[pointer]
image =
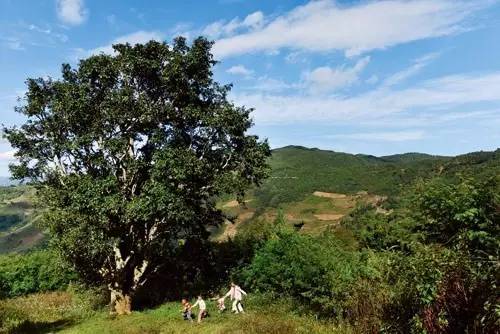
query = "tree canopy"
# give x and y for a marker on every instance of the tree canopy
(129, 152)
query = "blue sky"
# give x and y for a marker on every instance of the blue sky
(375, 77)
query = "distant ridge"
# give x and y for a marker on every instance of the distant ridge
(6, 181)
(471, 157)
(413, 156)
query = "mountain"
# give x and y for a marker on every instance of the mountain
(17, 215)
(412, 156)
(6, 181)
(297, 171)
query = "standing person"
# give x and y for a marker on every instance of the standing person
(236, 294)
(186, 310)
(203, 308)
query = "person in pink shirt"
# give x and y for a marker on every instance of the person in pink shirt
(236, 295)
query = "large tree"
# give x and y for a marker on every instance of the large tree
(129, 153)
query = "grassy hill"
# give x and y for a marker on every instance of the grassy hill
(314, 190)
(17, 232)
(298, 172)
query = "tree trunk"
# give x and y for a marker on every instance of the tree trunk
(121, 303)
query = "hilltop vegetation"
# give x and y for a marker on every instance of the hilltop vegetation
(298, 171)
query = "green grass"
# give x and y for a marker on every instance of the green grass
(65, 313)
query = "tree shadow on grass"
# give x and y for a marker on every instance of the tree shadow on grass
(29, 327)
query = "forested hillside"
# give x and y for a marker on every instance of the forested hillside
(298, 171)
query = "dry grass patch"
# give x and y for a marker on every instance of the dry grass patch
(328, 216)
(329, 195)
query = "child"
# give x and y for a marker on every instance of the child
(186, 310)
(203, 308)
(220, 303)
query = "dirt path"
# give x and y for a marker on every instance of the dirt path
(234, 203)
(230, 229)
(329, 195)
(328, 216)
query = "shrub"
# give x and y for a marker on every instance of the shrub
(36, 271)
(463, 215)
(437, 290)
(379, 231)
(316, 271)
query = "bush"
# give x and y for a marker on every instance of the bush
(316, 271)
(380, 231)
(437, 290)
(464, 218)
(36, 271)
(463, 215)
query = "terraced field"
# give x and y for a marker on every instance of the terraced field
(315, 213)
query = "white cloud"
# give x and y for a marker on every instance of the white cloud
(391, 136)
(436, 95)
(48, 31)
(182, 29)
(441, 118)
(240, 70)
(138, 37)
(14, 44)
(254, 20)
(296, 57)
(267, 84)
(417, 65)
(72, 11)
(39, 29)
(325, 26)
(324, 79)
(223, 29)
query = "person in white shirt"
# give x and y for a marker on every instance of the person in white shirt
(236, 294)
(203, 308)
